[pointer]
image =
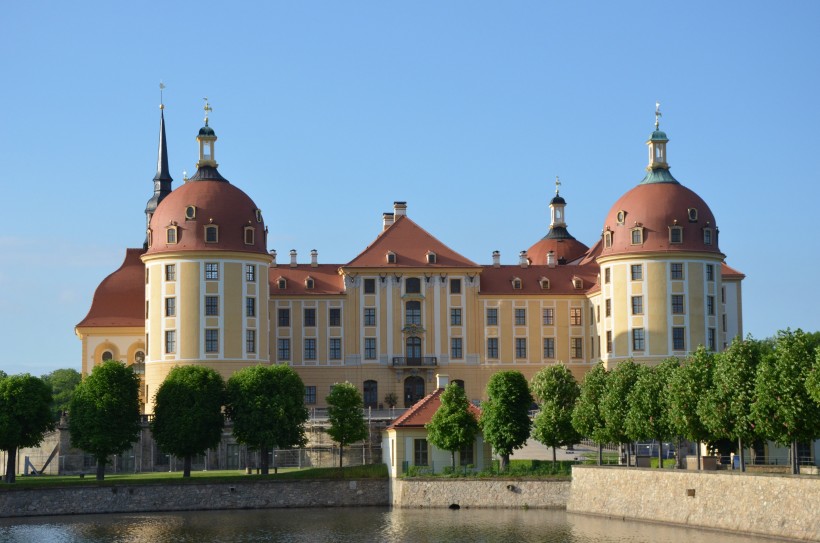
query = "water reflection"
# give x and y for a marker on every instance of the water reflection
(350, 526)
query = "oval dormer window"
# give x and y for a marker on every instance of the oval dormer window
(693, 214)
(190, 213)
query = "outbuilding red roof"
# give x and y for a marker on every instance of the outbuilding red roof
(423, 410)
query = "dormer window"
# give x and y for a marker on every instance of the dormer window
(516, 283)
(637, 236)
(621, 216)
(211, 233)
(190, 213)
(249, 235)
(171, 235)
(431, 257)
(692, 214)
(577, 283)
(309, 283)
(149, 235)
(608, 239)
(281, 283)
(545, 283)
(707, 236)
(391, 257)
(258, 215)
(675, 234)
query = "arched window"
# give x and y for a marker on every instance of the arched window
(412, 285)
(371, 394)
(107, 355)
(413, 390)
(412, 312)
(459, 383)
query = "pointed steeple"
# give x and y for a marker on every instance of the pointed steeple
(658, 168)
(162, 180)
(558, 223)
(206, 166)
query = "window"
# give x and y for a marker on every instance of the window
(710, 305)
(609, 341)
(608, 239)
(391, 257)
(334, 316)
(521, 347)
(637, 236)
(548, 316)
(723, 295)
(171, 234)
(250, 273)
(677, 304)
(370, 394)
(516, 284)
(284, 317)
(456, 348)
(250, 307)
(310, 283)
(190, 213)
(520, 316)
(431, 257)
(170, 341)
(707, 236)
(466, 454)
(419, 452)
(170, 307)
(106, 356)
(310, 316)
(412, 285)
(637, 272)
(211, 271)
(335, 348)
(621, 216)
(637, 305)
(455, 316)
(492, 347)
(283, 349)
(576, 347)
(575, 316)
(597, 313)
(249, 235)
(678, 339)
(369, 286)
(675, 234)
(150, 236)
(211, 306)
(412, 313)
(608, 308)
(258, 215)
(549, 347)
(545, 283)
(637, 339)
(710, 272)
(607, 275)
(455, 286)
(370, 348)
(693, 214)
(676, 270)
(170, 272)
(281, 283)
(710, 339)
(310, 348)
(211, 234)
(310, 395)
(370, 316)
(722, 318)
(250, 341)
(211, 340)
(492, 316)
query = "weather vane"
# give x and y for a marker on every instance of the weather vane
(161, 102)
(557, 185)
(657, 114)
(208, 109)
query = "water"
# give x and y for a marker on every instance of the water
(360, 525)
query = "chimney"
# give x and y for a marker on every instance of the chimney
(387, 221)
(551, 259)
(314, 258)
(496, 259)
(442, 380)
(522, 259)
(273, 255)
(293, 258)
(399, 209)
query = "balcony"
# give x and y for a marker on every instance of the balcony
(419, 361)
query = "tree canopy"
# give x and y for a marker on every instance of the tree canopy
(556, 391)
(104, 414)
(453, 426)
(188, 417)
(62, 383)
(344, 411)
(267, 407)
(614, 406)
(586, 416)
(648, 415)
(25, 416)
(505, 417)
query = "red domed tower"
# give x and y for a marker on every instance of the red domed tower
(558, 246)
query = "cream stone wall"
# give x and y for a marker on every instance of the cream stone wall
(479, 493)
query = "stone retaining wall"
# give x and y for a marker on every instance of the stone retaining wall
(478, 493)
(784, 506)
(77, 500)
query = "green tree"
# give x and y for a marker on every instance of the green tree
(188, 417)
(648, 415)
(586, 416)
(104, 414)
(62, 383)
(783, 410)
(344, 411)
(267, 407)
(614, 406)
(556, 391)
(25, 416)
(505, 416)
(453, 426)
(813, 380)
(688, 385)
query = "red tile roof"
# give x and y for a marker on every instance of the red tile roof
(499, 280)
(326, 280)
(730, 273)
(120, 298)
(423, 410)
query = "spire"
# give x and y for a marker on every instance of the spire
(658, 168)
(558, 224)
(162, 180)
(206, 166)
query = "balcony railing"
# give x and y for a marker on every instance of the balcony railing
(415, 361)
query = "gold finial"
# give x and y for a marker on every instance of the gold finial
(208, 109)
(557, 185)
(657, 114)
(161, 87)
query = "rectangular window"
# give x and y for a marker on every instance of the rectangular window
(637, 272)
(521, 347)
(370, 316)
(211, 271)
(335, 348)
(420, 452)
(250, 307)
(250, 341)
(609, 341)
(723, 295)
(675, 235)
(607, 275)
(170, 341)
(549, 347)
(592, 347)
(211, 306)
(310, 348)
(310, 395)
(676, 270)
(710, 305)
(707, 236)
(412, 312)
(492, 316)
(370, 348)
(576, 347)
(520, 317)
(548, 316)
(492, 347)
(211, 340)
(466, 454)
(678, 338)
(170, 307)
(170, 272)
(710, 339)
(677, 304)
(310, 316)
(250, 273)
(455, 286)
(637, 236)
(722, 318)
(710, 272)
(575, 316)
(637, 339)
(608, 308)
(455, 316)
(456, 348)
(283, 349)
(284, 317)
(637, 305)
(597, 313)
(334, 316)
(369, 286)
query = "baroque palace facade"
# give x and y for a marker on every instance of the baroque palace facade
(205, 289)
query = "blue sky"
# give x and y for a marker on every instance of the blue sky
(327, 112)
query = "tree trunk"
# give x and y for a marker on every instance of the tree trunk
(340, 455)
(600, 454)
(628, 449)
(453, 453)
(660, 454)
(795, 459)
(186, 465)
(740, 452)
(504, 462)
(553, 456)
(678, 459)
(101, 469)
(700, 456)
(264, 467)
(11, 465)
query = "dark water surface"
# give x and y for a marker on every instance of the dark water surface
(351, 526)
